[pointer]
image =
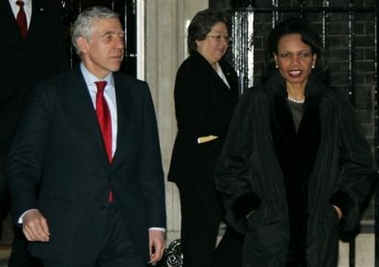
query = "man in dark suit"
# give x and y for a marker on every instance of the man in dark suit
(101, 197)
(24, 61)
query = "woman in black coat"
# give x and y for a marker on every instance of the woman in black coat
(206, 92)
(295, 168)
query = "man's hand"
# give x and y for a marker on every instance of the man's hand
(35, 227)
(156, 245)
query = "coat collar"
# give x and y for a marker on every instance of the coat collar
(37, 19)
(277, 86)
(225, 67)
(82, 104)
(124, 102)
(281, 115)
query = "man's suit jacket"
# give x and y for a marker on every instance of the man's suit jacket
(25, 63)
(59, 142)
(204, 105)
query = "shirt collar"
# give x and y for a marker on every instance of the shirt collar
(90, 79)
(28, 3)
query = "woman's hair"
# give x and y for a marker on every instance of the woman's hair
(202, 24)
(308, 36)
(83, 25)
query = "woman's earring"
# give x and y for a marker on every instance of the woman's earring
(313, 66)
(276, 66)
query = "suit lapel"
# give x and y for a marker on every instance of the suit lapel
(36, 19)
(124, 104)
(218, 79)
(83, 107)
(36, 31)
(8, 23)
(37, 26)
(201, 61)
(230, 77)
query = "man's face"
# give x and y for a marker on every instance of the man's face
(104, 52)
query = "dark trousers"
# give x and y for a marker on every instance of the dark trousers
(201, 217)
(20, 256)
(5, 205)
(5, 198)
(117, 249)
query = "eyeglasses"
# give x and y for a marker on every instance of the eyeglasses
(220, 37)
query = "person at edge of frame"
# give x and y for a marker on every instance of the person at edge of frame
(29, 55)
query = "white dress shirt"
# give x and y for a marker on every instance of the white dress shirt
(27, 8)
(221, 74)
(109, 95)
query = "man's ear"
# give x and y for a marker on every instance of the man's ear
(82, 44)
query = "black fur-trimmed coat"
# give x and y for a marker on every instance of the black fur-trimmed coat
(279, 186)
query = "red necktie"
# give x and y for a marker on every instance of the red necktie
(104, 118)
(21, 19)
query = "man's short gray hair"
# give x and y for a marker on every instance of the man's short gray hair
(83, 25)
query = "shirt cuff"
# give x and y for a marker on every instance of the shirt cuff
(158, 229)
(21, 218)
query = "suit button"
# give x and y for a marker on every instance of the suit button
(104, 207)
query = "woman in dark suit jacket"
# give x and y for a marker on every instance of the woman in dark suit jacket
(206, 92)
